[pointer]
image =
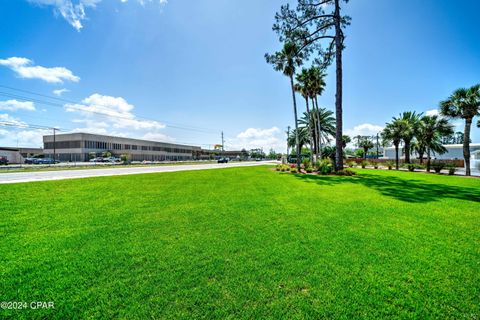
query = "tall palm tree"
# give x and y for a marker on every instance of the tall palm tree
(286, 61)
(430, 133)
(394, 132)
(304, 88)
(412, 119)
(346, 140)
(464, 104)
(316, 83)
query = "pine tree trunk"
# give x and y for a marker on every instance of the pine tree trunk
(466, 146)
(319, 123)
(396, 157)
(297, 141)
(309, 131)
(338, 95)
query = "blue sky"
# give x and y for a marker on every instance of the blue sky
(184, 71)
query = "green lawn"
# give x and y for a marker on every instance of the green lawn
(243, 243)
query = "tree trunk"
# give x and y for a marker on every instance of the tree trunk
(297, 141)
(365, 151)
(338, 95)
(420, 154)
(319, 129)
(428, 159)
(466, 146)
(407, 151)
(396, 156)
(309, 130)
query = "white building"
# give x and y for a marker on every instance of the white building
(454, 152)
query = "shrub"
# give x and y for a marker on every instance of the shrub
(389, 165)
(325, 166)
(309, 169)
(411, 167)
(282, 169)
(438, 166)
(278, 167)
(345, 172)
(375, 165)
(293, 170)
(364, 164)
(451, 169)
(287, 168)
(306, 163)
(124, 158)
(351, 164)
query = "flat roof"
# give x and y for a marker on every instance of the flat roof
(117, 137)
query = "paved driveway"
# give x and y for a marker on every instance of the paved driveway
(15, 177)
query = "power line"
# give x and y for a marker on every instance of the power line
(74, 105)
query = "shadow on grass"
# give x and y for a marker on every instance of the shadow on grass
(407, 190)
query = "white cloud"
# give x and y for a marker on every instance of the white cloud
(433, 112)
(253, 138)
(114, 116)
(14, 105)
(74, 11)
(364, 129)
(24, 68)
(6, 118)
(18, 133)
(59, 92)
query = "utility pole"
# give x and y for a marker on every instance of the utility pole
(54, 145)
(223, 143)
(288, 135)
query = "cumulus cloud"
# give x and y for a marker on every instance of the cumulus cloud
(24, 68)
(364, 129)
(59, 92)
(74, 11)
(253, 138)
(433, 112)
(14, 105)
(6, 119)
(114, 116)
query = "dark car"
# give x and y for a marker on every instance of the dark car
(29, 160)
(45, 161)
(223, 160)
(3, 161)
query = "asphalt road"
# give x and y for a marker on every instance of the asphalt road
(16, 177)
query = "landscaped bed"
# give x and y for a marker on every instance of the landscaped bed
(243, 243)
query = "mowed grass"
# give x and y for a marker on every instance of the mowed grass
(243, 243)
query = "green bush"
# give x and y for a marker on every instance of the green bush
(389, 164)
(438, 166)
(306, 163)
(365, 163)
(325, 166)
(351, 164)
(278, 167)
(293, 170)
(411, 167)
(345, 172)
(451, 169)
(309, 169)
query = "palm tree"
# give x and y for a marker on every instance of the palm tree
(346, 140)
(303, 138)
(412, 119)
(465, 104)
(394, 132)
(286, 61)
(327, 125)
(316, 84)
(365, 143)
(303, 87)
(430, 133)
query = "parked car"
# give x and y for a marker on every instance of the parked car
(111, 159)
(45, 161)
(29, 160)
(3, 161)
(223, 160)
(97, 159)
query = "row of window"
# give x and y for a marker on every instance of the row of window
(110, 146)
